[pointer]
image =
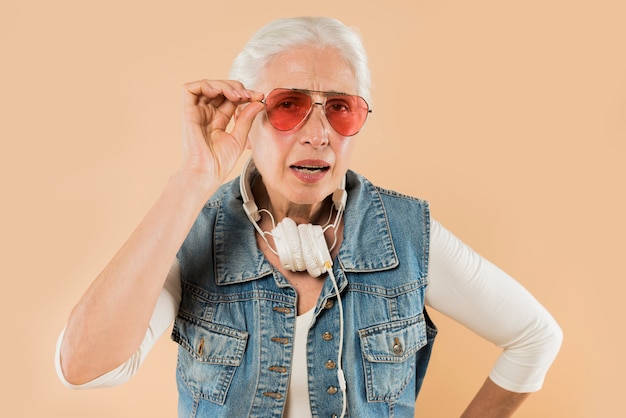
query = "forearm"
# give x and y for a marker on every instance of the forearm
(109, 322)
(492, 401)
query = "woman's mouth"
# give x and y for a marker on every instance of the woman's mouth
(310, 171)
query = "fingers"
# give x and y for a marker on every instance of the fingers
(208, 107)
(216, 92)
(244, 120)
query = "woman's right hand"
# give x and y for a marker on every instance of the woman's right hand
(208, 107)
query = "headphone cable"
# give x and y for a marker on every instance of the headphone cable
(340, 374)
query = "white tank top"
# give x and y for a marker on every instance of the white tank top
(297, 404)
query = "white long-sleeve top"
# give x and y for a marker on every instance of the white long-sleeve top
(461, 284)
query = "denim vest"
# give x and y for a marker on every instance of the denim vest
(237, 316)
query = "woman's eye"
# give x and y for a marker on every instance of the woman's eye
(337, 106)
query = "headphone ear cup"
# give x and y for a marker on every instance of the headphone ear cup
(314, 248)
(288, 247)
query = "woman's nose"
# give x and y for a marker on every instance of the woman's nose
(316, 128)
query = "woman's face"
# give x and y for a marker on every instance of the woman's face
(301, 167)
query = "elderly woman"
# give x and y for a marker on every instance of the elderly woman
(299, 289)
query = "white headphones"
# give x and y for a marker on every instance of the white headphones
(299, 247)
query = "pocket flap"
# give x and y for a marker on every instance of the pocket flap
(211, 343)
(393, 342)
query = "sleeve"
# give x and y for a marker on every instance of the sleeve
(477, 294)
(162, 317)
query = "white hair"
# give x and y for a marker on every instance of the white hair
(283, 35)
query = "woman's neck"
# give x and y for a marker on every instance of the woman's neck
(317, 213)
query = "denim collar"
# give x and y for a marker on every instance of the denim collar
(367, 244)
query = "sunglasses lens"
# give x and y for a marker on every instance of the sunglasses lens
(346, 114)
(287, 108)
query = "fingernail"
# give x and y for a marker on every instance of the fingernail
(257, 95)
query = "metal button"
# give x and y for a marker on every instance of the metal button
(397, 347)
(329, 304)
(331, 390)
(274, 395)
(327, 336)
(278, 369)
(280, 340)
(281, 309)
(330, 365)
(201, 347)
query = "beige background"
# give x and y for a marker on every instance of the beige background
(510, 117)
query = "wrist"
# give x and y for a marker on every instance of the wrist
(194, 183)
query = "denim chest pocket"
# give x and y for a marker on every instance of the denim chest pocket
(389, 356)
(208, 357)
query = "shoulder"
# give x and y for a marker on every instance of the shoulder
(365, 190)
(226, 192)
(226, 199)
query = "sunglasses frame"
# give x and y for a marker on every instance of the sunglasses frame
(310, 93)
